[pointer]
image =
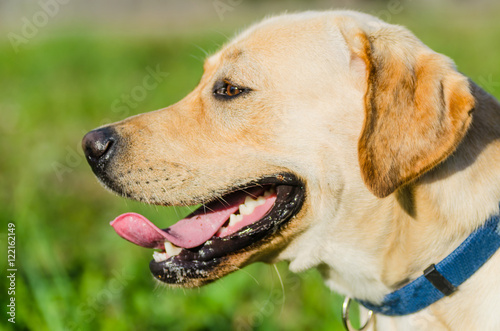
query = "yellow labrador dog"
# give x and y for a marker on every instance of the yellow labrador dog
(335, 141)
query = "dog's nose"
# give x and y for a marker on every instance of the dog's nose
(98, 146)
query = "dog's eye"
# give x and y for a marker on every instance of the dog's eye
(232, 90)
(228, 89)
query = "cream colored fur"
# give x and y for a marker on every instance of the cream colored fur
(306, 114)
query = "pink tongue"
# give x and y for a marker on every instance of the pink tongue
(187, 233)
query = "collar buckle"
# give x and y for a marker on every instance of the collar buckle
(345, 317)
(439, 281)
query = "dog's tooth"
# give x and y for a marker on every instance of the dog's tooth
(171, 249)
(261, 200)
(248, 199)
(249, 206)
(245, 209)
(221, 231)
(234, 219)
(159, 257)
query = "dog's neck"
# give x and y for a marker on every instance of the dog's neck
(418, 225)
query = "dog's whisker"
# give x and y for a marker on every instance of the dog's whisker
(176, 211)
(200, 59)
(282, 288)
(250, 194)
(191, 208)
(205, 207)
(205, 52)
(223, 201)
(221, 33)
(247, 273)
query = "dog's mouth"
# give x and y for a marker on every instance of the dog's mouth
(241, 219)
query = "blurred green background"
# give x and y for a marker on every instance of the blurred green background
(62, 79)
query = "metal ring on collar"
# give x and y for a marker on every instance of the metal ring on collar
(345, 317)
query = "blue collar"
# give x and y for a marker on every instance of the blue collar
(445, 277)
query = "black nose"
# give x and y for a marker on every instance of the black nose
(99, 146)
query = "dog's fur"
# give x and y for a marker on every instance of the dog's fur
(399, 153)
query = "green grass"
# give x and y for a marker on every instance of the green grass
(74, 272)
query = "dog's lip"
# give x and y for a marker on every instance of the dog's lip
(199, 261)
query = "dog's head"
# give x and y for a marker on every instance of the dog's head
(296, 124)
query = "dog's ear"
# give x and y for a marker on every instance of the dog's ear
(417, 106)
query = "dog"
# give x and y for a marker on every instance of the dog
(332, 140)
